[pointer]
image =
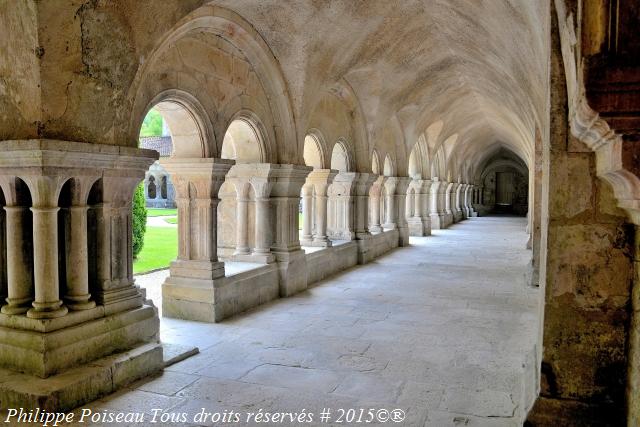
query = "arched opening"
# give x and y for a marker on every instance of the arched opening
(243, 143)
(375, 163)
(313, 157)
(504, 185)
(152, 192)
(340, 158)
(388, 169)
(313, 152)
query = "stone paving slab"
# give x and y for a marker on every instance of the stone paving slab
(440, 329)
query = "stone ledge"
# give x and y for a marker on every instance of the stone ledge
(78, 386)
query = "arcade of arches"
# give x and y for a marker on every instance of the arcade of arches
(315, 137)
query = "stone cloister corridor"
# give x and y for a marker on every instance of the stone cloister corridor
(426, 205)
(444, 329)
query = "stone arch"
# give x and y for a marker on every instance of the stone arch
(389, 168)
(189, 124)
(230, 27)
(340, 158)
(313, 152)
(376, 168)
(244, 142)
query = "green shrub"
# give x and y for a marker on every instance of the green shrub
(139, 220)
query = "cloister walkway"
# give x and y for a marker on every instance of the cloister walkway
(443, 329)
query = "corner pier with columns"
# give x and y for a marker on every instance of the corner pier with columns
(73, 326)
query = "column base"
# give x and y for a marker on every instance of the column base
(426, 221)
(375, 229)
(267, 258)
(47, 310)
(16, 306)
(80, 302)
(317, 243)
(448, 219)
(403, 236)
(457, 216)
(77, 386)
(47, 347)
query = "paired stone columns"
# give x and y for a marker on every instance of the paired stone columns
(419, 223)
(255, 177)
(456, 205)
(188, 291)
(401, 217)
(315, 201)
(390, 203)
(448, 212)
(375, 200)
(436, 207)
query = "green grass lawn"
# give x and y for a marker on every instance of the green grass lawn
(172, 220)
(160, 248)
(161, 212)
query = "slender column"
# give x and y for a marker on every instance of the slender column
(400, 216)
(19, 278)
(321, 199)
(47, 303)
(417, 203)
(363, 183)
(263, 245)
(435, 209)
(242, 244)
(78, 297)
(307, 211)
(390, 197)
(375, 193)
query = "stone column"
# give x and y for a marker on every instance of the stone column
(374, 201)
(321, 179)
(390, 199)
(77, 296)
(341, 218)
(47, 303)
(401, 217)
(19, 277)
(455, 202)
(262, 249)
(417, 226)
(425, 196)
(242, 219)
(307, 215)
(362, 187)
(285, 196)
(448, 213)
(436, 211)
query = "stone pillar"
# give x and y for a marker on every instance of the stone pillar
(401, 217)
(417, 224)
(341, 206)
(320, 181)
(436, 208)
(448, 212)
(469, 201)
(19, 276)
(374, 203)
(362, 189)
(285, 197)
(189, 291)
(455, 201)
(95, 350)
(262, 248)
(390, 202)
(307, 215)
(425, 193)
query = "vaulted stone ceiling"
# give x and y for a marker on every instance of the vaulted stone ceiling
(479, 66)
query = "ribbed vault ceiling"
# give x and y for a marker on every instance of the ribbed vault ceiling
(480, 66)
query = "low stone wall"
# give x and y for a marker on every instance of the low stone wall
(327, 262)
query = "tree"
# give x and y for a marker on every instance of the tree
(139, 220)
(152, 124)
